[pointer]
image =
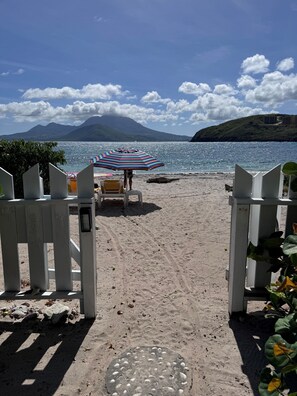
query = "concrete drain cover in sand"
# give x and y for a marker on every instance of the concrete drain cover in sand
(148, 371)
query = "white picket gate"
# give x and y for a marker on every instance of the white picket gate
(256, 202)
(39, 219)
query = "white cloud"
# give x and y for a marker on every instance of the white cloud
(244, 82)
(16, 72)
(19, 71)
(231, 112)
(224, 89)
(222, 102)
(275, 88)
(153, 97)
(79, 111)
(89, 91)
(178, 107)
(255, 64)
(213, 101)
(285, 64)
(194, 89)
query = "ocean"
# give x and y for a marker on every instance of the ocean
(186, 157)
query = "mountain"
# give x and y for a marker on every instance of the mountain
(258, 128)
(101, 129)
(51, 131)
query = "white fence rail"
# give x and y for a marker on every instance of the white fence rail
(40, 219)
(256, 202)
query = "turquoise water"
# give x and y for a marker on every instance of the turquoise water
(185, 157)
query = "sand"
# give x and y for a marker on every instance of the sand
(161, 282)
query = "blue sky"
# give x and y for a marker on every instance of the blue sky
(173, 65)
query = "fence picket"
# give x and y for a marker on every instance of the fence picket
(61, 240)
(37, 249)
(9, 244)
(6, 182)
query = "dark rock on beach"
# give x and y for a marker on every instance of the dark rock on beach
(161, 179)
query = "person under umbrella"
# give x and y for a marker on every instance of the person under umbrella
(128, 176)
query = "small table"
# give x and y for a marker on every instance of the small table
(134, 192)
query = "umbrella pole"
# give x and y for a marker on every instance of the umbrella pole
(125, 179)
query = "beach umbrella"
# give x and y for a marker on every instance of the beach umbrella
(126, 159)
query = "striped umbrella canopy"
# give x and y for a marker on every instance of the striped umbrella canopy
(124, 159)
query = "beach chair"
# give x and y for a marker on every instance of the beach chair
(112, 188)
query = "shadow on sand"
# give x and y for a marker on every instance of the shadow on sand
(251, 331)
(115, 208)
(36, 355)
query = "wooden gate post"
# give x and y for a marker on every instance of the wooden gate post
(263, 222)
(87, 236)
(242, 188)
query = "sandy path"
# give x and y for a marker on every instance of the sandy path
(161, 281)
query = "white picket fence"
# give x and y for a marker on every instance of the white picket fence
(40, 219)
(256, 202)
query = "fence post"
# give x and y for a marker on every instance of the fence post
(254, 227)
(87, 231)
(242, 188)
(267, 222)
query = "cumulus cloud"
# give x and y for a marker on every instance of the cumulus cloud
(275, 88)
(89, 91)
(285, 64)
(255, 64)
(194, 89)
(153, 97)
(224, 89)
(79, 111)
(245, 82)
(178, 107)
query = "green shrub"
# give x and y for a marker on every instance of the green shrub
(280, 348)
(17, 156)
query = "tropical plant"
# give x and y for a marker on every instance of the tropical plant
(280, 348)
(289, 169)
(281, 353)
(17, 156)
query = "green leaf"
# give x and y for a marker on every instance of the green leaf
(289, 368)
(293, 184)
(270, 383)
(290, 245)
(272, 242)
(286, 324)
(290, 168)
(255, 252)
(278, 351)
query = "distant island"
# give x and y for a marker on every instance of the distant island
(258, 128)
(107, 128)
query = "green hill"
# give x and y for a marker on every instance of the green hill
(258, 128)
